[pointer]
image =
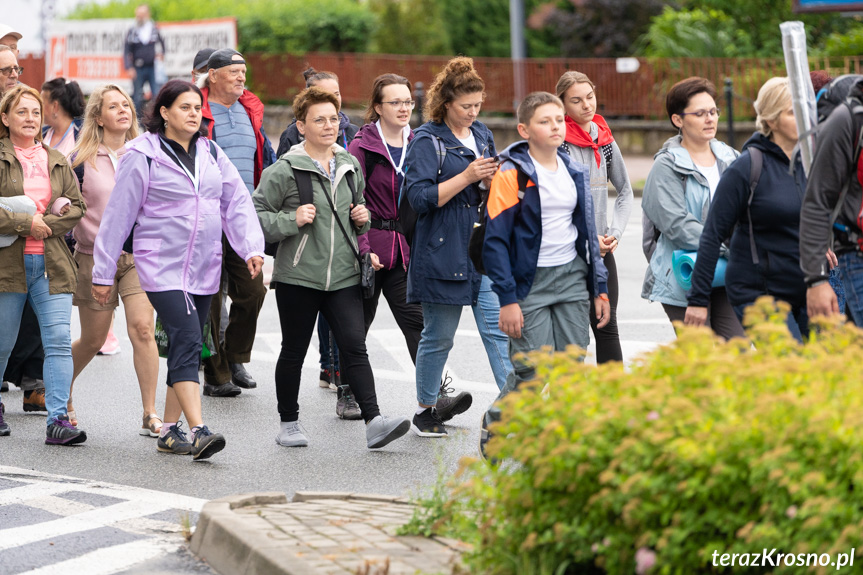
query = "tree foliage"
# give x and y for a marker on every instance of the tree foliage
(694, 34)
(263, 26)
(601, 28)
(410, 27)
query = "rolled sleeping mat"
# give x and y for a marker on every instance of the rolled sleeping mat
(16, 205)
(683, 263)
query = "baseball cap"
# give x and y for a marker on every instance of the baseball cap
(201, 58)
(222, 58)
(7, 30)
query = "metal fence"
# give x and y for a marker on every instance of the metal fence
(277, 78)
(636, 95)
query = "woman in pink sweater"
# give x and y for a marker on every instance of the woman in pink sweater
(109, 122)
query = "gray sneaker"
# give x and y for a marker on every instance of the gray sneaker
(290, 435)
(382, 430)
(346, 406)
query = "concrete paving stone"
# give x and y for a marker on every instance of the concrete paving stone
(310, 496)
(321, 543)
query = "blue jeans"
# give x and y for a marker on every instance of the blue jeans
(797, 320)
(440, 322)
(851, 272)
(54, 313)
(144, 74)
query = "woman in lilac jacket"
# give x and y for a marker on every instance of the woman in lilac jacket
(380, 148)
(180, 192)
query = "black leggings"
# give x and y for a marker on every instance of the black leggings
(343, 310)
(183, 320)
(720, 315)
(608, 338)
(409, 316)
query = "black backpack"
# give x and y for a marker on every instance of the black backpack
(477, 234)
(303, 178)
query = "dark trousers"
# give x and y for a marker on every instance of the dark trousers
(28, 355)
(608, 338)
(720, 315)
(183, 320)
(343, 310)
(247, 296)
(409, 316)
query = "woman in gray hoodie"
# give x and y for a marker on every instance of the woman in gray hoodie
(677, 197)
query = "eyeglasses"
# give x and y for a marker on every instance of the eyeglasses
(7, 71)
(701, 113)
(399, 104)
(321, 122)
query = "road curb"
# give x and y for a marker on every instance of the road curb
(237, 535)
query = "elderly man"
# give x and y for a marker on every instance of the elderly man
(9, 37)
(234, 119)
(140, 55)
(24, 367)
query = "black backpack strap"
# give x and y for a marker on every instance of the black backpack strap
(523, 180)
(352, 184)
(303, 178)
(441, 153)
(756, 162)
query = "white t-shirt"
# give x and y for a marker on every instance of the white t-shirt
(712, 175)
(558, 199)
(470, 142)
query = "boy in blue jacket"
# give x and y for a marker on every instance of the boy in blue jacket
(541, 248)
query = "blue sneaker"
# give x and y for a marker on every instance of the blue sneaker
(206, 443)
(175, 441)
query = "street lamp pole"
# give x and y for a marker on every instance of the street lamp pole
(518, 50)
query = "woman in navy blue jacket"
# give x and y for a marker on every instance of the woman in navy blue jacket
(448, 168)
(764, 256)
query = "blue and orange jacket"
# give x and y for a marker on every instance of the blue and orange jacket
(514, 227)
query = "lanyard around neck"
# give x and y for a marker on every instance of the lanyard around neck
(193, 177)
(405, 134)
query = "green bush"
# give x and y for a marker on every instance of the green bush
(275, 27)
(694, 34)
(702, 446)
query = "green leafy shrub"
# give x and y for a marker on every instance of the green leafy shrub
(702, 446)
(264, 26)
(694, 34)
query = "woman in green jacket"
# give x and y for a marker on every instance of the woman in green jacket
(38, 266)
(317, 266)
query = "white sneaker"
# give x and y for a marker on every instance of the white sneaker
(382, 430)
(291, 435)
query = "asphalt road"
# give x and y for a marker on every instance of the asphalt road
(108, 405)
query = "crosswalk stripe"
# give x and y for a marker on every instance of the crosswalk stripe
(110, 560)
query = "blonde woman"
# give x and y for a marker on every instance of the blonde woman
(38, 266)
(109, 122)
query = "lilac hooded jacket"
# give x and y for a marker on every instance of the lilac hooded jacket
(178, 240)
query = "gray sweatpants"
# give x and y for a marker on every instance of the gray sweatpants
(556, 314)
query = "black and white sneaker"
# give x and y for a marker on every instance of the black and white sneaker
(61, 432)
(448, 406)
(428, 424)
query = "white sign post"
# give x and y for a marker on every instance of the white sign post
(91, 51)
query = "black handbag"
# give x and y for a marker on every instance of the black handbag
(367, 271)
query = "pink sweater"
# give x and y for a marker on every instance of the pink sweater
(37, 186)
(97, 188)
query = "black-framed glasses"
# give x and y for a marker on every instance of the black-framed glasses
(399, 104)
(7, 71)
(701, 113)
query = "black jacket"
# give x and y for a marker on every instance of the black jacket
(775, 212)
(832, 166)
(291, 136)
(137, 54)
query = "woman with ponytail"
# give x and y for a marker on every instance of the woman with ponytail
(589, 142)
(448, 169)
(64, 106)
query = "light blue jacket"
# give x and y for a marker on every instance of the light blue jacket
(676, 199)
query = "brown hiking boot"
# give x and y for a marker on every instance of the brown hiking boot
(35, 401)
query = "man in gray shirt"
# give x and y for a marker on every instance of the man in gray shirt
(233, 117)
